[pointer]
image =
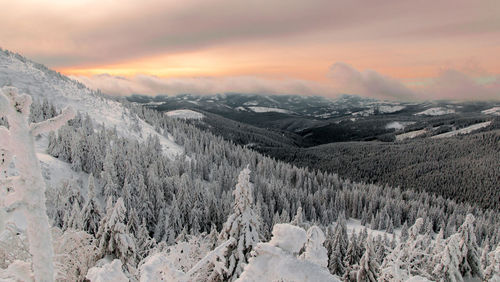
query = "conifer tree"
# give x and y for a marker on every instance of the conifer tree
(91, 211)
(242, 225)
(368, 266)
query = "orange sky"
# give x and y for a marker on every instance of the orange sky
(295, 40)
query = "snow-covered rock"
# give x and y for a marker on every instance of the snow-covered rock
(109, 272)
(185, 114)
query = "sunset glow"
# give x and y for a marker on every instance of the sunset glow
(294, 40)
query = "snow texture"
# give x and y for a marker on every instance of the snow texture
(109, 272)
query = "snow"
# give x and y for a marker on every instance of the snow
(17, 271)
(493, 111)
(417, 279)
(465, 130)
(108, 272)
(269, 110)
(185, 114)
(61, 91)
(410, 135)
(159, 268)
(386, 109)
(288, 237)
(438, 111)
(398, 125)
(276, 260)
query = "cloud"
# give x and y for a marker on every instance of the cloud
(344, 79)
(368, 83)
(59, 35)
(455, 85)
(152, 85)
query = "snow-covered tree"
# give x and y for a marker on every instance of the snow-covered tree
(447, 269)
(76, 253)
(492, 272)
(242, 225)
(470, 263)
(91, 211)
(368, 265)
(28, 192)
(315, 251)
(113, 235)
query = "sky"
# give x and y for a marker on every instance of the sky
(391, 49)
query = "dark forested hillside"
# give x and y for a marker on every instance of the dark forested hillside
(463, 168)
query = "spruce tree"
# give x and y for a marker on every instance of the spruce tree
(242, 225)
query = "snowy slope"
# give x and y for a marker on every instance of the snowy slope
(36, 80)
(268, 110)
(493, 111)
(464, 130)
(185, 114)
(436, 112)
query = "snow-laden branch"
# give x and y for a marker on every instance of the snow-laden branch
(212, 257)
(52, 124)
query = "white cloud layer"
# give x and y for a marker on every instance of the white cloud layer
(343, 78)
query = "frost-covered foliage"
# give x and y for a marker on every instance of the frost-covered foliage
(277, 260)
(492, 272)
(242, 225)
(75, 253)
(27, 190)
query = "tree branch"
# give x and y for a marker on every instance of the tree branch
(53, 123)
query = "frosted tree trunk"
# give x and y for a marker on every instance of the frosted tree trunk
(29, 187)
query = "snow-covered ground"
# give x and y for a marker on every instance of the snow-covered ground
(398, 125)
(493, 111)
(185, 114)
(390, 109)
(438, 111)
(465, 130)
(269, 110)
(61, 91)
(410, 135)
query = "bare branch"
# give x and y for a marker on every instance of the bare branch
(53, 123)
